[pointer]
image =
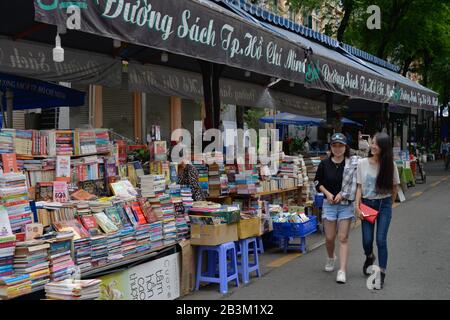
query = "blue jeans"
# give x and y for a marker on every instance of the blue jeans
(384, 206)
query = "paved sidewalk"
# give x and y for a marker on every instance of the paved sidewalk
(274, 260)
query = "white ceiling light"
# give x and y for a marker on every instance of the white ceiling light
(58, 51)
(117, 43)
(164, 57)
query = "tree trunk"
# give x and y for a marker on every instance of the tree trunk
(348, 8)
(398, 11)
(406, 65)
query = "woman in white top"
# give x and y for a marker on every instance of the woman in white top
(378, 180)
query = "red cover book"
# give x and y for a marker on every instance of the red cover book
(138, 213)
(15, 203)
(9, 161)
(7, 244)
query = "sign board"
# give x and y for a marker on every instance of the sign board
(154, 280)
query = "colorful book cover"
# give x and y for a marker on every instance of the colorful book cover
(90, 224)
(60, 191)
(105, 223)
(112, 214)
(123, 216)
(63, 168)
(9, 161)
(137, 211)
(130, 214)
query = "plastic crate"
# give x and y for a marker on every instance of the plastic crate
(285, 231)
(291, 229)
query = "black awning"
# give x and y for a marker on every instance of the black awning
(204, 30)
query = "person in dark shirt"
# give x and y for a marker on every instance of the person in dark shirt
(338, 210)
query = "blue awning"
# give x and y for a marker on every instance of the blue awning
(294, 119)
(289, 118)
(31, 93)
(350, 122)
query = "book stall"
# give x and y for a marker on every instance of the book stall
(72, 204)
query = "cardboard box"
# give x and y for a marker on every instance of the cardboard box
(187, 267)
(248, 228)
(226, 217)
(213, 235)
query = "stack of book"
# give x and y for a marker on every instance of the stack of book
(85, 169)
(186, 196)
(23, 142)
(156, 208)
(7, 248)
(99, 250)
(36, 176)
(14, 286)
(114, 243)
(14, 196)
(6, 142)
(169, 226)
(290, 167)
(73, 290)
(60, 258)
(180, 219)
(31, 257)
(214, 180)
(83, 253)
(202, 176)
(64, 142)
(102, 142)
(151, 185)
(246, 183)
(156, 234)
(40, 141)
(142, 235)
(129, 244)
(85, 141)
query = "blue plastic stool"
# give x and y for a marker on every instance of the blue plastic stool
(218, 256)
(260, 247)
(247, 267)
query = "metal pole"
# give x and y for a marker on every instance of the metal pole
(9, 107)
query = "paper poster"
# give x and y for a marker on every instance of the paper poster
(63, 168)
(155, 280)
(60, 191)
(5, 225)
(33, 230)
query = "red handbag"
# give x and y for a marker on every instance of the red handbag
(369, 213)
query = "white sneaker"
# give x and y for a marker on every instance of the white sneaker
(340, 277)
(329, 266)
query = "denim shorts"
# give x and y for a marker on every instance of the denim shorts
(333, 212)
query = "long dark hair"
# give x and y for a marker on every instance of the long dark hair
(385, 178)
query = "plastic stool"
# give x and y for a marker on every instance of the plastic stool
(260, 247)
(247, 267)
(222, 252)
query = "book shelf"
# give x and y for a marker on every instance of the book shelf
(27, 157)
